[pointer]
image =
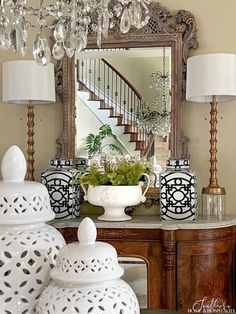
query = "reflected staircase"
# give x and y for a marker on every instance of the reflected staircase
(116, 95)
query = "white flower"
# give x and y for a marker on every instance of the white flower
(127, 157)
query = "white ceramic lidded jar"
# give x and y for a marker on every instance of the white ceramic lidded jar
(28, 246)
(86, 279)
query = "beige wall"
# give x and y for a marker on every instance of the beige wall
(138, 71)
(216, 20)
(13, 124)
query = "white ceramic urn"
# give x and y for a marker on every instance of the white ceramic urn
(28, 246)
(114, 199)
(86, 279)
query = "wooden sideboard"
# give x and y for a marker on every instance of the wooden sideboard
(189, 264)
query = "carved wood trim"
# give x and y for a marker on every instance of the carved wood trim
(206, 234)
(169, 265)
(163, 29)
(66, 90)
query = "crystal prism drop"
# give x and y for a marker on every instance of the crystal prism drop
(105, 24)
(5, 40)
(70, 52)
(118, 10)
(7, 3)
(113, 23)
(13, 39)
(84, 40)
(76, 40)
(99, 38)
(125, 22)
(21, 35)
(99, 33)
(145, 14)
(78, 44)
(58, 50)
(70, 40)
(59, 32)
(41, 50)
(137, 15)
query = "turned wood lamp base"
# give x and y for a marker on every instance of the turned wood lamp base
(213, 196)
(30, 142)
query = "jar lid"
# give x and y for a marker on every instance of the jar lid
(79, 161)
(87, 261)
(61, 162)
(21, 202)
(177, 163)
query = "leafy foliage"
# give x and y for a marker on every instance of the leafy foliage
(94, 142)
(122, 173)
(106, 131)
(95, 177)
(114, 148)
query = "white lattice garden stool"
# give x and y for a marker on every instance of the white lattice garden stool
(28, 247)
(86, 279)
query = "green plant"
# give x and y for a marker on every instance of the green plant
(122, 173)
(94, 142)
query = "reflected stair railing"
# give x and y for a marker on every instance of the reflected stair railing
(116, 94)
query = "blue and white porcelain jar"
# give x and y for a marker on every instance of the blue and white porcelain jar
(81, 164)
(178, 199)
(60, 180)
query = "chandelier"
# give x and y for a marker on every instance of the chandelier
(157, 118)
(71, 22)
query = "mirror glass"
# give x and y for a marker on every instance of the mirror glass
(124, 88)
(135, 274)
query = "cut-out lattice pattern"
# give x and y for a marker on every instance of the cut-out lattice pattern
(116, 298)
(95, 265)
(64, 194)
(178, 191)
(24, 204)
(26, 257)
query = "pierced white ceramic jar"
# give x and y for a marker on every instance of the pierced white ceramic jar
(86, 279)
(28, 246)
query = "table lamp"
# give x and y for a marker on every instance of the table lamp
(26, 82)
(212, 78)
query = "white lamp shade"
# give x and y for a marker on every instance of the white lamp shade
(211, 75)
(25, 80)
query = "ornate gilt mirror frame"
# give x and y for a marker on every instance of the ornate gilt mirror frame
(163, 29)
